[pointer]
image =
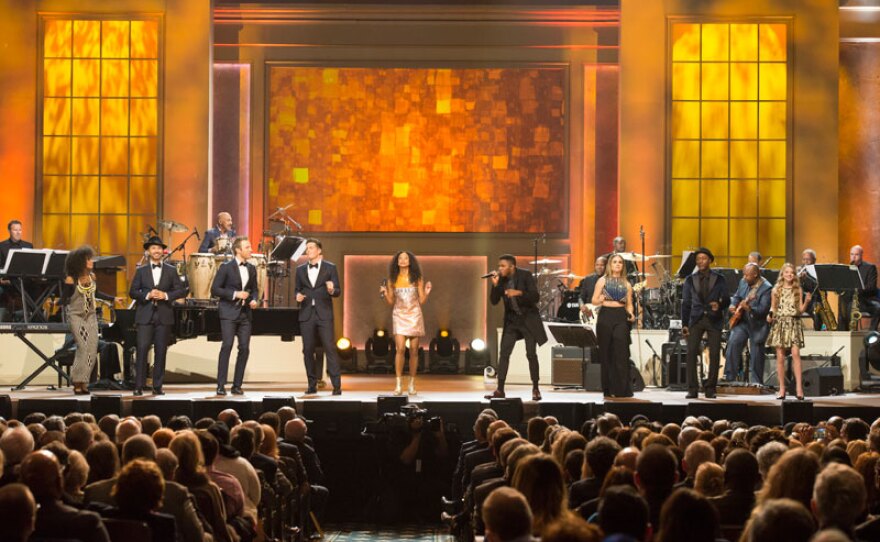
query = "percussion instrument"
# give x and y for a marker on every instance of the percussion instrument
(259, 261)
(200, 271)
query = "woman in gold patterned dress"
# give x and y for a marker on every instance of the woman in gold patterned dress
(80, 291)
(786, 330)
(407, 293)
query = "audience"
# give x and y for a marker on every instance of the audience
(539, 478)
(709, 481)
(507, 516)
(624, 512)
(19, 512)
(138, 494)
(839, 497)
(687, 516)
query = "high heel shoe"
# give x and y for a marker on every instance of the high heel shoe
(412, 386)
(781, 397)
(800, 397)
(398, 390)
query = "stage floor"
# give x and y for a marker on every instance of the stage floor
(464, 390)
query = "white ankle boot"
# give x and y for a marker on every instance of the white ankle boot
(398, 390)
(412, 385)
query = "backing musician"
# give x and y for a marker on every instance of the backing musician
(14, 241)
(808, 285)
(219, 238)
(749, 309)
(868, 302)
(588, 284)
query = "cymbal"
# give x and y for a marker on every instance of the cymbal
(659, 256)
(632, 256)
(545, 261)
(641, 275)
(546, 272)
(557, 271)
(172, 226)
(280, 210)
(571, 276)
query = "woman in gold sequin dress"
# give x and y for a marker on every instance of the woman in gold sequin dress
(407, 293)
(786, 330)
(80, 291)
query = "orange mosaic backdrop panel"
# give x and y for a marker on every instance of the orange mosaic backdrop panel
(419, 150)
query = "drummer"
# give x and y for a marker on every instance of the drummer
(219, 239)
(619, 247)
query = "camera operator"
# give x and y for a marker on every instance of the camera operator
(421, 464)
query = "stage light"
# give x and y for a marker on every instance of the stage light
(380, 333)
(444, 353)
(347, 355)
(476, 357)
(343, 344)
(379, 350)
(870, 357)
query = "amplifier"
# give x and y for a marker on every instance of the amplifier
(674, 375)
(821, 381)
(808, 362)
(571, 366)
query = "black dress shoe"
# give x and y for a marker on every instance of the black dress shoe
(158, 391)
(536, 394)
(221, 390)
(138, 392)
(236, 390)
(337, 391)
(311, 391)
(497, 394)
(691, 395)
(710, 394)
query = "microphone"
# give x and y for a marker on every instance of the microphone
(383, 283)
(489, 275)
(196, 231)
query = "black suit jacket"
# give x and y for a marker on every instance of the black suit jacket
(693, 306)
(226, 283)
(311, 462)
(142, 283)
(868, 271)
(57, 520)
(211, 237)
(8, 245)
(527, 302)
(323, 307)
(587, 286)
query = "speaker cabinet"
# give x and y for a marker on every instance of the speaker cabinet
(572, 366)
(674, 375)
(821, 381)
(509, 409)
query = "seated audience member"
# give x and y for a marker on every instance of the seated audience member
(126, 429)
(295, 434)
(15, 443)
(41, 472)
(741, 477)
(628, 457)
(250, 449)
(19, 512)
(768, 455)
(150, 424)
(571, 530)
(687, 516)
(697, 453)
(622, 511)
(835, 454)
(138, 494)
(866, 465)
(230, 488)
(568, 442)
(599, 457)
(76, 474)
(487, 487)
(163, 437)
(854, 429)
(617, 476)
(839, 498)
(229, 417)
(656, 474)
(230, 461)
(791, 477)
(269, 446)
(535, 430)
(103, 461)
(191, 474)
(79, 437)
(709, 481)
(780, 520)
(507, 516)
(539, 478)
(167, 462)
(573, 466)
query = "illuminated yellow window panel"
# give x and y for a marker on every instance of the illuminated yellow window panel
(86, 116)
(685, 197)
(743, 199)
(114, 117)
(114, 39)
(743, 120)
(685, 81)
(743, 236)
(771, 159)
(142, 195)
(144, 121)
(744, 81)
(773, 79)
(86, 78)
(144, 155)
(686, 120)
(114, 156)
(144, 78)
(774, 42)
(714, 160)
(84, 192)
(87, 39)
(771, 198)
(114, 78)
(144, 39)
(56, 116)
(715, 81)
(772, 120)
(114, 195)
(56, 77)
(771, 236)
(84, 230)
(686, 42)
(57, 39)
(713, 199)
(85, 155)
(56, 194)
(685, 159)
(56, 230)
(136, 228)
(685, 234)
(113, 234)
(713, 233)
(743, 159)
(56, 156)
(743, 42)
(714, 121)
(715, 42)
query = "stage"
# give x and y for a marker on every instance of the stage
(457, 398)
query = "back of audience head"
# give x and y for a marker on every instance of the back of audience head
(34, 417)
(76, 474)
(517, 455)
(126, 429)
(138, 447)
(599, 457)
(285, 414)
(163, 437)
(295, 430)
(768, 455)
(79, 436)
(506, 515)
(573, 466)
(688, 516)
(854, 449)
(566, 443)
(179, 423)
(271, 419)
(628, 457)
(103, 460)
(535, 430)
(150, 424)
(210, 447)
(243, 441)
(167, 462)
(838, 497)
(37, 431)
(139, 487)
(606, 422)
(623, 511)
(572, 529)
(854, 429)
(269, 445)
(618, 476)
(656, 470)
(230, 417)
(539, 478)
(792, 477)
(508, 448)
(696, 454)
(741, 471)
(835, 454)
(16, 443)
(780, 520)
(709, 480)
(187, 447)
(255, 426)
(41, 472)
(55, 423)
(19, 511)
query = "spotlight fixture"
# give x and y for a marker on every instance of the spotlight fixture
(444, 353)
(347, 355)
(476, 357)
(379, 350)
(868, 359)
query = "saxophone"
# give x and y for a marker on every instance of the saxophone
(855, 316)
(824, 311)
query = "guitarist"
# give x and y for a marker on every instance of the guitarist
(749, 309)
(705, 299)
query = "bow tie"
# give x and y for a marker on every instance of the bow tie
(157, 266)
(313, 266)
(243, 264)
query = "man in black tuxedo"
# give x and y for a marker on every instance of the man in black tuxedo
(868, 302)
(704, 301)
(154, 288)
(223, 230)
(521, 319)
(236, 286)
(15, 241)
(317, 283)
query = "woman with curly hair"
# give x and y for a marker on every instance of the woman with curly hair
(79, 295)
(791, 477)
(407, 293)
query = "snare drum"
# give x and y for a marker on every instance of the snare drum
(200, 271)
(259, 261)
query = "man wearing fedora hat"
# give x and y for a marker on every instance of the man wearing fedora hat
(703, 304)
(154, 287)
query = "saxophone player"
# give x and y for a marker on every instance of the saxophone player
(808, 285)
(867, 297)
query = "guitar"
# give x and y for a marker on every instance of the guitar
(588, 319)
(741, 309)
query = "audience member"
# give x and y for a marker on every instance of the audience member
(507, 516)
(768, 455)
(539, 478)
(687, 516)
(839, 498)
(571, 530)
(79, 437)
(791, 477)
(709, 481)
(697, 453)
(15, 443)
(780, 520)
(103, 460)
(624, 512)
(741, 477)
(656, 474)
(19, 512)
(598, 459)
(138, 494)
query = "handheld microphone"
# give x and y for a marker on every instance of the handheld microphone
(384, 283)
(489, 275)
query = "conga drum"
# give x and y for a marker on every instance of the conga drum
(200, 271)
(259, 261)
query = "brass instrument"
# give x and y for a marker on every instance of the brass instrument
(823, 310)
(855, 316)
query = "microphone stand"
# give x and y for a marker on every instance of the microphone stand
(180, 247)
(643, 295)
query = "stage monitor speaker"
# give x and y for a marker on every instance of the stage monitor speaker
(210, 408)
(164, 408)
(390, 404)
(674, 413)
(674, 375)
(334, 418)
(626, 411)
(60, 407)
(822, 381)
(272, 404)
(571, 415)
(796, 411)
(807, 362)
(635, 377)
(718, 411)
(5, 407)
(509, 409)
(569, 368)
(458, 416)
(103, 405)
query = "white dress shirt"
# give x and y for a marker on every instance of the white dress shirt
(157, 276)
(313, 275)
(243, 273)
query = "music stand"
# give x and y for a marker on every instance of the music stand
(772, 275)
(54, 267)
(290, 247)
(839, 277)
(731, 277)
(574, 335)
(29, 263)
(688, 264)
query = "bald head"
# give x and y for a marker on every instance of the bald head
(224, 220)
(126, 429)
(16, 443)
(229, 417)
(41, 472)
(138, 447)
(295, 430)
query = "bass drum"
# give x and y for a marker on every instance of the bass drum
(570, 308)
(200, 271)
(259, 261)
